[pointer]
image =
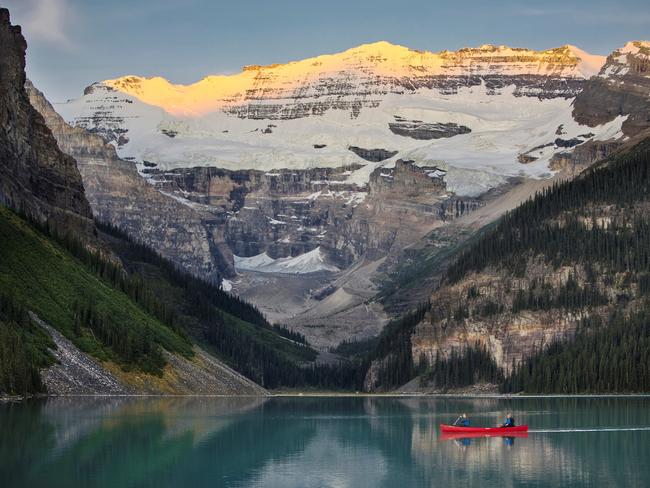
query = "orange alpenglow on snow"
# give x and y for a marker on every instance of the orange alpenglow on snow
(379, 60)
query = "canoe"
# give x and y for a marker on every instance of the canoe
(483, 430)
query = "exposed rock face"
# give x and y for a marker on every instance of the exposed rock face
(369, 97)
(583, 156)
(361, 77)
(118, 195)
(283, 212)
(621, 88)
(574, 154)
(36, 177)
(417, 129)
(508, 336)
(290, 212)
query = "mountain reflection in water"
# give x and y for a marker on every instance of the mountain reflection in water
(318, 441)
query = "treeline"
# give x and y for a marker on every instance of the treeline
(269, 367)
(356, 348)
(533, 228)
(473, 364)
(253, 358)
(112, 271)
(23, 350)
(342, 375)
(610, 356)
(598, 224)
(246, 351)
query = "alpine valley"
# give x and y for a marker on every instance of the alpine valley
(381, 219)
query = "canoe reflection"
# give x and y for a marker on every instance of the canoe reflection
(449, 436)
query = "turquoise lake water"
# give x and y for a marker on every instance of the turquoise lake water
(320, 442)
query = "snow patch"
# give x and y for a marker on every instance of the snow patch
(309, 262)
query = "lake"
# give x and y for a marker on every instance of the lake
(320, 442)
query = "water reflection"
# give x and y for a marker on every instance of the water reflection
(286, 442)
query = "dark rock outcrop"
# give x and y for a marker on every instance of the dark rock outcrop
(36, 178)
(416, 129)
(373, 155)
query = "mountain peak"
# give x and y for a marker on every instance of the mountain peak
(631, 59)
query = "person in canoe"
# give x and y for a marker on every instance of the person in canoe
(462, 421)
(510, 421)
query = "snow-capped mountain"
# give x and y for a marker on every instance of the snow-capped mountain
(312, 177)
(472, 109)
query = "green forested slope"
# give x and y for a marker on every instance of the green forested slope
(42, 276)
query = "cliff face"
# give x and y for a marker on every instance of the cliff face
(290, 212)
(120, 196)
(509, 336)
(36, 178)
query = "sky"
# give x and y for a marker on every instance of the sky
(73, 43)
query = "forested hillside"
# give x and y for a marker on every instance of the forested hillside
(127, 307)
(555, 295)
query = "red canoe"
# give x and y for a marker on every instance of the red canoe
(482, 430)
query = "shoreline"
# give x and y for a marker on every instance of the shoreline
(18, 398)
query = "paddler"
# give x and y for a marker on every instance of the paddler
(510, 421)
(462, 421)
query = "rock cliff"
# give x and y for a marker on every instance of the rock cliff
(36, 178)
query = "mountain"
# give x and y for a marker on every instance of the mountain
(361, 156)
(310, 113)
(333, 193)
(622, 87)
